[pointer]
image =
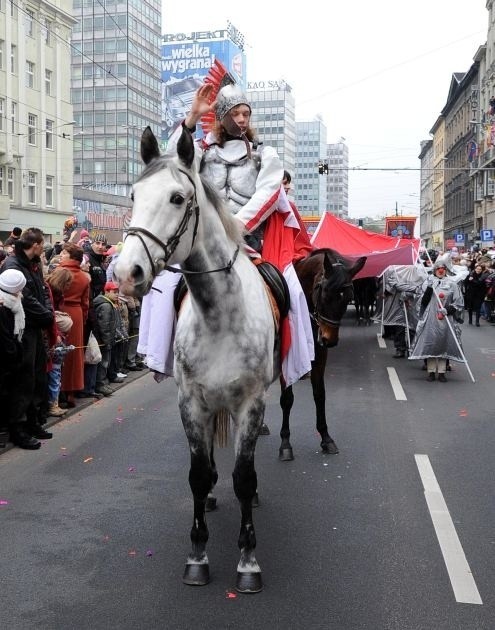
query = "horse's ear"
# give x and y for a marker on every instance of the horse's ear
(327, 264)
(357, 266)
(149, 146)
(185, 148)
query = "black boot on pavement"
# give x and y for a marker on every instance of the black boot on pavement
(24, 440)
(431, 376)
(442, 378)
(39, 433)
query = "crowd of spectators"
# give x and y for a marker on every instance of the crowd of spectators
(57, 302)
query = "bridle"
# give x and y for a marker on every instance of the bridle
(316, 316)
(159, 264)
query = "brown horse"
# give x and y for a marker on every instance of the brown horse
(326, 279)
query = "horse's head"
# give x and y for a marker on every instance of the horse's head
(164, 215)
(330, 291)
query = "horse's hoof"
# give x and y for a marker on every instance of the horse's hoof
(196, 574)
(330, 448)
(249, 582)
(255, 501)
(211, 504)
(285, 454)
(264, 430)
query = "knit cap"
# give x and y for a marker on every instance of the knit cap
(100, 238)
(12, 281)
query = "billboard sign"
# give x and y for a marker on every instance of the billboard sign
(185, 63)
(402, 227)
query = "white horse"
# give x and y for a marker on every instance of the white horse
(225, 337)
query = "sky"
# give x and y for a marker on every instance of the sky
(378, 73)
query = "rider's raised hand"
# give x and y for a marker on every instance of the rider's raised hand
(200, 105)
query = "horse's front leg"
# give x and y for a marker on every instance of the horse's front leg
(318, 383)
(245, 486)
(199, 430)
(285, 453)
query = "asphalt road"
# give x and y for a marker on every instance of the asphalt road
(394, 533)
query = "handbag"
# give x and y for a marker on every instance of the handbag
(92, 354)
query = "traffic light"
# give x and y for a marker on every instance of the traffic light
(323, 167)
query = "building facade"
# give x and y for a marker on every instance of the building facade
(338, 179)
(311, 150)
(438, 138)
(273, 118)
(459, 150)
(116, 94)
(426, 193)
(35, 116)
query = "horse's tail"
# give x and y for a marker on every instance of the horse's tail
(222, 428)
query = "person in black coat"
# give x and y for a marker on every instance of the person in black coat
(12, 322)
(474, 292)
(30, 388)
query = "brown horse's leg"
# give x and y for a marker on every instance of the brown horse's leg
(318, 383)
(285, 453)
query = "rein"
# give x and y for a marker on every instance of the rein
(170, 246)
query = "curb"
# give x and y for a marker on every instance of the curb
(84, 403)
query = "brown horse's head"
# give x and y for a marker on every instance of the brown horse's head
(326, 279)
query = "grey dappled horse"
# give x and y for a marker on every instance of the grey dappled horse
(225, 337)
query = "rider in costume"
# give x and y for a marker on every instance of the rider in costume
(248, 176)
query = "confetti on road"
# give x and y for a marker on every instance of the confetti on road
(131, 469)
(132, 553)
(230, 595)
(3, 502)
(149, 553)
(88, 459)
(463, 413)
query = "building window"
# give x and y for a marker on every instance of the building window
(32, 129)
(31, 187)
(2, 48)
(2, 174)
(13, 9)
(49, 190)
(2, 114)
(29, 22)
(49, 134)
(47, 32)
(10, 183)
(48, 82)
(29, 74)
(13, 58)
(13, 117)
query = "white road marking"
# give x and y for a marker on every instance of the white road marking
(396, 386)
(461, 577)
(381, 341)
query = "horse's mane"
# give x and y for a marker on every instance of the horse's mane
(232, 226)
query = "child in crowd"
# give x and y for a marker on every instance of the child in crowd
(12, 324)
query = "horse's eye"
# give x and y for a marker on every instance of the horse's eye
(177, 199)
